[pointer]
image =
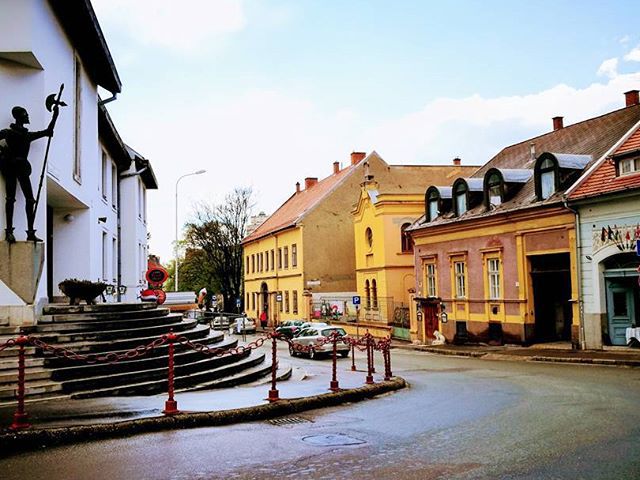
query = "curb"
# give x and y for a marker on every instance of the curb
(591, 361)
(14, 442)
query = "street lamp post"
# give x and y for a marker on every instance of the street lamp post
(175, 250)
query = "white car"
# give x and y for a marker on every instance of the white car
(244, 325)
(310, 337)
(306, 325)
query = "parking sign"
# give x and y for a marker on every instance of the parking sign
(356, 300)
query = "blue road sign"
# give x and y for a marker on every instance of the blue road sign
(238, 301)
(356, 300)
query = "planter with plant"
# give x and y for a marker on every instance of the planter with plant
(78, 290)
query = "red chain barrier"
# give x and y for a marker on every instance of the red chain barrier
(171, 406)
(20, 417)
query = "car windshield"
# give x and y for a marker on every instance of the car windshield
(328, 331)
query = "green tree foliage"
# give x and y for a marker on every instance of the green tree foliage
(216, 235)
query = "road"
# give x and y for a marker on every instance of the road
(461, 419)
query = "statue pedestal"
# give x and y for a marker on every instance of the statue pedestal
(21, 265)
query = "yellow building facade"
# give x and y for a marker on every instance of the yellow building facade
(384, 258)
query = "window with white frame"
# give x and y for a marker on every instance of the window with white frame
(460, 278)
(114, 186)
(493, 272)
(105, 257)
(286, 257)
(295, 302)
(430, 272)
(105, 175)
(114, 259)
(629, 165)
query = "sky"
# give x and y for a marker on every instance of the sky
(263, 93)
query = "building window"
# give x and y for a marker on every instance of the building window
(294, 255)
(547, 178)
(247, 270)
(494, 190)
(286, 301)
(460, 195)
(368, 234)
(114, 186)
(260, 261)
(295, 302)
(114, 259)
(493, 272)
(461, 283)
(374, 294)
(273, 266)
(629, 165)
(431, 280)
(433, 199)
(105, 259)
(286, 257)
(279, 259)
(367, 294)
(281, 302)
(253, 263)
(405, 238)
(247, 304)
(253, 301)
(77, 170)
(105, 175)
(266, 261)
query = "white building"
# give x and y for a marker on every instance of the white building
(90, 172)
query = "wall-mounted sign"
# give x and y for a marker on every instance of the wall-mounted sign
(356, 300)
(313, 283)
(156, 275)
(444, 318)
(279, 297)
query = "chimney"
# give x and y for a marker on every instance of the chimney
(631, 98)
(532, 151)
(357, 156)
(557, 123)
(336, 167)
(297, 187)
(310, 182)
(457, 161)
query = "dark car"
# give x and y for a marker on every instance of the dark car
(289, 328)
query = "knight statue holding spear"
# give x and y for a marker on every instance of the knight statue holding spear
(15, 142)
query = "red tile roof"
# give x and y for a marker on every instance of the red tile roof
(603, 179)
(297, 205)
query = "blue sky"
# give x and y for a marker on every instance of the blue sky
(264, 93)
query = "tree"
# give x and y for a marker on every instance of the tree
(217, 232)
(195, 272)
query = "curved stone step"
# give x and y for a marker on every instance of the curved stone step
(55, 309)
(31, 389)
(84, 371)
(10, 377)
(181, 382)
(262, 371)
(97, 316)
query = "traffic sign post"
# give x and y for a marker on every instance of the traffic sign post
(356, 300)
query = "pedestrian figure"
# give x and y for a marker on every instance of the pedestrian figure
(202, 295)
(15, 143)
(263, 320)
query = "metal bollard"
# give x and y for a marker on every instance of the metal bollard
(171, 406)
(274, 395)
(20, 416)
(369, 379)
(333, 385)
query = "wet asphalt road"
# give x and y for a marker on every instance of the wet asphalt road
(461, 419)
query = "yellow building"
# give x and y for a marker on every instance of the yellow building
(305, 248)
(389, 203)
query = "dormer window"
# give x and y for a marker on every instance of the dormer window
(546, 172)
(629, 165)
(460, 197)
(494, 189)
(432, 203)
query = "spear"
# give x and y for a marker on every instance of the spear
(56, 103)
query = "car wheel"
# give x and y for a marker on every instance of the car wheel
(344, 353)
(312, 354)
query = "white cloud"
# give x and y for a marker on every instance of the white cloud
(624, 40)
(608, 68)
(188, 25)
(633, 55)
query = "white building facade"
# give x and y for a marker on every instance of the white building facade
(44, 44)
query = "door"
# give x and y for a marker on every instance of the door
(620, 310)
(430, 319)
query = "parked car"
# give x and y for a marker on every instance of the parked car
(220, 322)
(247, 325)
(201, 315)
(307, 325)
(310, 337)
(289, 328)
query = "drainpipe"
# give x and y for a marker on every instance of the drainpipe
(119, 239)
(578, 269)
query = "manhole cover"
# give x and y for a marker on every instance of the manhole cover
(332, 440)
(288, 421)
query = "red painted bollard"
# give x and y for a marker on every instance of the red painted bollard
(353, 356)
(274, 395)
(20, 416)
(369, 379)
(171, 406)
(387, 360)
(333, 385)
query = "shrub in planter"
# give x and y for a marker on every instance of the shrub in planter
(78, 290)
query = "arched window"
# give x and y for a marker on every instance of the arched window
(374, 293)
(369, 236)
(367, 294)
(432, 201)
(546, 176)
(405, 238)
(460, 197)
(494, 189)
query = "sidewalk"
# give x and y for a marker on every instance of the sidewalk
(553, 352)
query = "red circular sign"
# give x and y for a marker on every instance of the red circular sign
(157, 275)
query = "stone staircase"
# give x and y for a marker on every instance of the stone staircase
(118, 328)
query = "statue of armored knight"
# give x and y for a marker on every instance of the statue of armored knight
(15, 142)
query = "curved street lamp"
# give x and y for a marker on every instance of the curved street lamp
(175, 248)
